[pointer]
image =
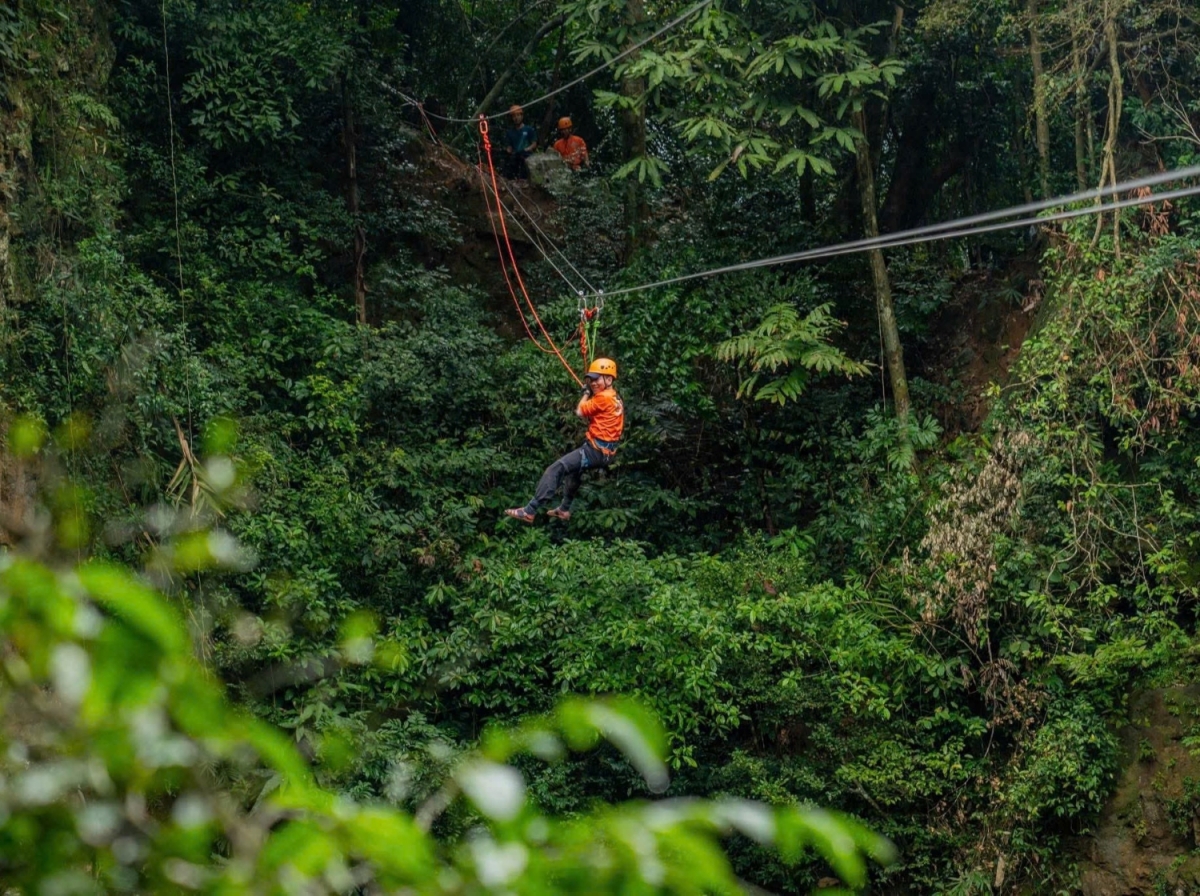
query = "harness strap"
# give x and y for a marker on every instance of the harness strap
(608, 449)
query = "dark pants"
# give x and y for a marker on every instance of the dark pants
(515, 166)
(567, 471)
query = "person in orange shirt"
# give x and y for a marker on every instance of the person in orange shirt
(602, 407)
(573, 149)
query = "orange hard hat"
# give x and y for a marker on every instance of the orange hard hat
(603, 367)
(564, 123)
(513, 110)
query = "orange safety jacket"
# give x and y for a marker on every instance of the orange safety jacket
(605, 414)
(573, 149)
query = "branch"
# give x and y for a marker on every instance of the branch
(503, 31)
(1142, 40)
(546, 28)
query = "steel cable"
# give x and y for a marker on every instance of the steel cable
(575, 290)
(958, 228)
(513, 193)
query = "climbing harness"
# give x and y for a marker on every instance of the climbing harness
(591, 303)
(1104, 199)
(974, 225)
(507, 250)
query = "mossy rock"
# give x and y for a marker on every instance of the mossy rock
(1143, 842)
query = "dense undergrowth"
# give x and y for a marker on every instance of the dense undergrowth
(941, 645)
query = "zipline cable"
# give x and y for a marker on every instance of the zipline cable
(589, 314)
(959, 228)
(1104, 208)
(575, 290)
(670, 26)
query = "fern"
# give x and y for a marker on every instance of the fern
(786, 340)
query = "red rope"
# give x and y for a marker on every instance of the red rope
(487, 146)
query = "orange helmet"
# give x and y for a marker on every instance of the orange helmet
(564, 123)
(603, 367)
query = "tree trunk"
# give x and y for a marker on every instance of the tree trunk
(1018, 143)
(487, 54)
(350, 141)
(914, 183)
(1081, 98)
(808, 196)
(1040, 112)
(545, 29)
(632, 116)
(879, 273)
(1090, 125)
(547, 130)
(1116, 98)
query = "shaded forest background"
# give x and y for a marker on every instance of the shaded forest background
(246, 290)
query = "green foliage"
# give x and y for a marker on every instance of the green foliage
(900, 442)
(759, 88)
(113, 732)
(247, 67)
(783, 339)
(1069, 768)
(940, 647)
(1181, 810)
(56, 129)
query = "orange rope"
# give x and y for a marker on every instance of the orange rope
(487, 146)
(503, 266)
(428, 124)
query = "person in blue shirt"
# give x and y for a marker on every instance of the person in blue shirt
(520, 144)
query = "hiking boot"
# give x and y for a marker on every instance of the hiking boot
(520, 513)
(559, 514)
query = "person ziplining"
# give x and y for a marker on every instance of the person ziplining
(600, 404)
(604, 412)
